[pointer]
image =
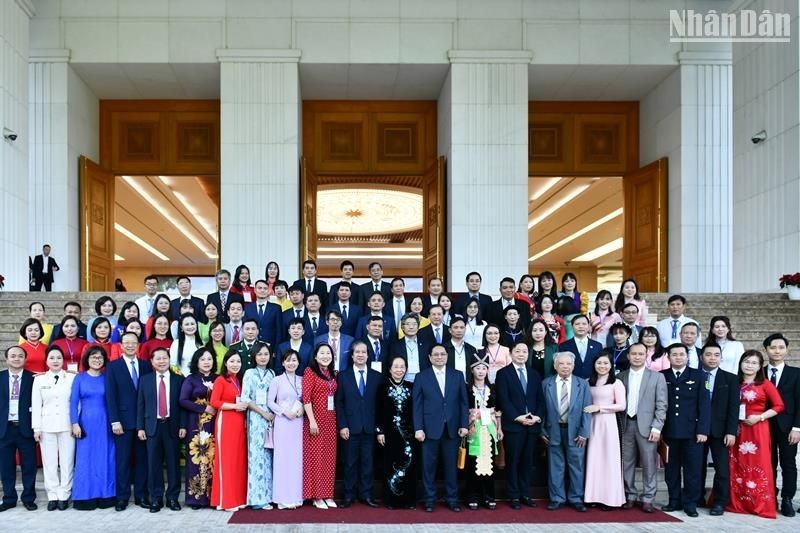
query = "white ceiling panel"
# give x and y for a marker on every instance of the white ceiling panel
(594, 82)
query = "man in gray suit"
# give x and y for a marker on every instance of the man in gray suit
(565, 431)
(641, 424)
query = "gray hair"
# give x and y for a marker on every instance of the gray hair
(222, 271)
(559, 355)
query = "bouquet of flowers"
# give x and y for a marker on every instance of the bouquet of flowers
(786, 280)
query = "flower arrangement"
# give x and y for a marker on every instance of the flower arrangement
(2, 281)
(787, 280)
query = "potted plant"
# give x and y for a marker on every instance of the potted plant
(792, 284)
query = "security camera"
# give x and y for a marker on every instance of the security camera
(9, 135)
(759, 137)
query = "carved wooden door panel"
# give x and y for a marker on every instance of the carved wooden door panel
(97, 226)
(434, 224)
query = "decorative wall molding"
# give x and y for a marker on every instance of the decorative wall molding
(254, 55)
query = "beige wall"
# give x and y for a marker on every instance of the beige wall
(586, 275)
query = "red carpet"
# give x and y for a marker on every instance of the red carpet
(361, 514)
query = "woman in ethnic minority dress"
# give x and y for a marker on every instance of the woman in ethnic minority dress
(229, 484)
(255, 390)
(285, 400)
(396, 435)
(752, 481)
(319, 430)
(200, 447)
(484, 434)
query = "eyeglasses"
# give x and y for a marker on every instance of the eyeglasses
(95, 357)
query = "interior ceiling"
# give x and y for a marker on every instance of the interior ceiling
(175, 215)
(371, 81)
(594, 82)
(594, 198)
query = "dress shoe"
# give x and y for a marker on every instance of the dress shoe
(173, 505)
(428, 508)
(530, 502)
(701, 503)
(345, 504)
(121, 505)
(690, 511)
(647, 507)
(554, 506)
(629, 504)
(454, 507)
(515, 505)
(63, 505)
(369, 502)
(579, 507)
(156, 505)
(144, 503)
(786, 507)
(52, 505)
(30, 506)
(6, 506)
(716, 511)
(671, 507)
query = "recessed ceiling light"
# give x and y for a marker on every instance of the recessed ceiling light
(583, 231)
(368, 249)
(371, 256)
(140, 241)
(600, 251)
(542, 185)
(118, 257)
(555, 206)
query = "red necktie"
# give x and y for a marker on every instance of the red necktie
(162, 398)
(235, 336)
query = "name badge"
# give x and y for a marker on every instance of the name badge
(377, 366)
(72, 367)
(330, 403)
(261, 397)
(742, 411)
(13, 409)
(486, 417)
(248, 297)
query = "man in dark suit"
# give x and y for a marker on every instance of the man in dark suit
(436, 332)
(72, 309)
(314, 320)
(685, 430)
(473, 281)
(222, 298)
(723, 387)
(16, 433)
(435, 289)
(521, 400)
(459, 353)
(630, 314)
(310, 284)
(441, 417)
(785, 427)
(161, 423)
(249, 344)
(347, 307)
(494, 311)
(375, 284)
(296, 342)
(584, 348)
(377, 345)
(375, 304)
(298, 309)
(347, 269)
(185, 290)
(123, 377)
(398, 302)
(42, 269)
(267, 315)
(339, 342)
(355, 415)
(413, 349)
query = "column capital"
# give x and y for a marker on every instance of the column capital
(490, 56)
(706, 57)
(258, 55)
(49, 55)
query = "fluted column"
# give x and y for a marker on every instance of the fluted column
(484, 121)
(259, 183)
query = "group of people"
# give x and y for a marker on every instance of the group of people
(261, 384)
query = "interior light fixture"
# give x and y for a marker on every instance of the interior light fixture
(371, 256)
(583, 231)
(548, 210)
(367, 249)
(118, 257)
(139, 241)
(201, 220)
(600, 251)
(543, 185)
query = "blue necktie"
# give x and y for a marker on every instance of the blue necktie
(674, 329)
(134, 375)
(344, 313)
(377, 351)
(438, 336)
(260, 312)
(297, 314)
(361, 384)
(522, 380)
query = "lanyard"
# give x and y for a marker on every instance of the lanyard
(236, 384)
(493, 360)
(293, 385)
(70, 349)
(742, 389)
(261, 376)
(618, 353)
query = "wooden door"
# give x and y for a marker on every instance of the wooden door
(308, 212)
(434, 225)
(96, 190)
(645, 256)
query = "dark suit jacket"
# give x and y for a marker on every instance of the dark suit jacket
(355, 294)
(427, 336)
(583, 368)
(469, 353)
(213, 298)
(344, 348)
(320, 289)
(306, 351)
(287, 317)
(121, 397)
(389, 308)
(789, 387)
(513, 401)
(269, 325)
(398, 347)
(308, 333)
(688, 404)
(354, 312)
(368, 288)
(25, 396)
(197, 304)
(389, 331)
(353, 411)
(39, 273)
(385, 350)
(725, 405)
(147, 410)
(434, 412)
(494, 313)
(81, 330)
(484, 301)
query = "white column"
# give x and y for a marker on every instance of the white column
(259, 183)
(487, 185)
(14, 26)
(703, 185)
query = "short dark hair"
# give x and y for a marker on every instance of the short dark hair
(101, 301)
(473, 273)
(294, 322)
(344, 284)
(196, 360)
(158, 349)
(401, 280)
(345, 263)
(91, 350)
(775, 337)
(675, 346)
(223, 371)
(578, 317)
(183, 277)
(30, 307)
(249, 319)
(97, 322)
(608, 354)
(8, 350)
(711, 344)
(630, 304)
(374, 263)
(508, 280)
(280, 283)
(310, 262)
(72, 303)
(333, 312)
(692, 323)
(620, 326)
(135, 336)
(435, 306)
(374, 318)
(149, 277)
(255, 348)
(67, 318)
(676, 298)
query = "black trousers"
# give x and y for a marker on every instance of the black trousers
(684, 458)
(12, 442)
(38, 283)
(163, 447)
(520, 448)
(722, 475)
(131, 455)
(359, 466)
(432, 449)
(784, 454)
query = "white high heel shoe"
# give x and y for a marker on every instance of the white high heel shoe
(320, 504)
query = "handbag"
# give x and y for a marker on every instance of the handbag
(269, 438)
(461, 460)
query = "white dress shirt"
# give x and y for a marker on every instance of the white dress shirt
(135, 361)
(634, 384)
(13, 410)
(664, 328)
(440, 378)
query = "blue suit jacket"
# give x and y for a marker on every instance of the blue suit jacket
(432, 411)
(579, 423)
(306, 351)
(121, 397)
(147, 409)
(583, 368)
(398, 347)
(286, 317)
(353, 411)
(354, 313)
(344, 348)
(513, 401)
(197, 304)
(25, 398)
(389, 331)
(688, 404)
(308, 332)
(269, 326)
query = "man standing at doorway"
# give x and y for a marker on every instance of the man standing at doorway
(42, 268)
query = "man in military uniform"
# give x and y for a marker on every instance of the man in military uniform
(249, 345)
(685, 430)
